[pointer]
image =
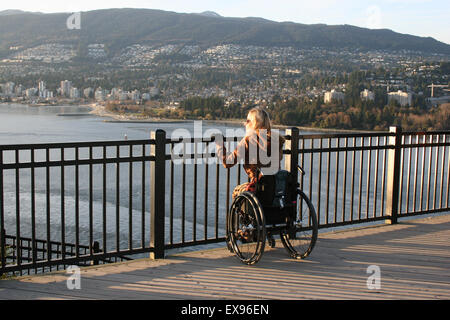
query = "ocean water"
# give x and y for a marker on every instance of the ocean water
(21, 124)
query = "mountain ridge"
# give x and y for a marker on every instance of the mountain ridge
(118, 28)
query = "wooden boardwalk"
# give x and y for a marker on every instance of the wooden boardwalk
(413, 257)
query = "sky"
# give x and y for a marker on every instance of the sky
(425, 18)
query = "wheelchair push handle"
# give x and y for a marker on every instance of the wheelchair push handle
(300, 169)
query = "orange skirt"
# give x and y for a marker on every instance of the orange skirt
(239, 189)
(248, 186)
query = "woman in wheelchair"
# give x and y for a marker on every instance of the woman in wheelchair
(260, 148)
(268, 203)
(271, 203)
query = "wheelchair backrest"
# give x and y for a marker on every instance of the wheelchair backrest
(277, 191)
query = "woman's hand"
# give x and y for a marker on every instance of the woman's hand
(217, 138)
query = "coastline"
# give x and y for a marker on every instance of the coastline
(99, 110)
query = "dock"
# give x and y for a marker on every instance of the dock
(413, 259)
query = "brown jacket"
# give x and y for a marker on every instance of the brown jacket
(255, 152)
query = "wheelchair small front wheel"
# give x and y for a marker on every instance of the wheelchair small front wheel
(246, 230)
(300, 234)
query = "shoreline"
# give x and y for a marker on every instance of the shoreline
(99, 110)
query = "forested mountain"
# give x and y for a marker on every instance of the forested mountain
(118, 28)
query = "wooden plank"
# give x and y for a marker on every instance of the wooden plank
(413, 257)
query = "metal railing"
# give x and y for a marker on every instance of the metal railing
(357, 178)
(81, 203)
(72, 194)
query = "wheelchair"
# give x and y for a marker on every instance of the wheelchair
(276, 207)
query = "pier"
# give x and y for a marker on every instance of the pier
(119, 209)
(413, 258)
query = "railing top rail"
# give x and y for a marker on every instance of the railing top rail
(287, 137)
(341, 149)
(201, 139)
(79, 162)
(52, 145)
(345, 135)
(82, 144)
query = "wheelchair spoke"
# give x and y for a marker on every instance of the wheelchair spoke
(245, 231)
(299, 238)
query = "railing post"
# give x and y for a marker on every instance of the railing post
(157, 201)
(291, 159)
(95, 249)
(393, 175)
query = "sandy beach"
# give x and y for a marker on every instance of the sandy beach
(100, 110)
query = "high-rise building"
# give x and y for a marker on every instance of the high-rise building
(333, 95)
(18, 90)
(66, 85)
(8, 88)
(74, 93)
(367, 95)
(42, 90)
(403, 98)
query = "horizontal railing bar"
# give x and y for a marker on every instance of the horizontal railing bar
(44, 250)
(68, 248)
(344, 135)
(416, 213)
(430, 144)
(350, 222)
(343, 149)
(287, 137)
(193, 243)
(201, 139)
(65, 163)
(114, 143)
(74, 260)
(310, 150)
(39, 146)
(107, 260)
(40, 241)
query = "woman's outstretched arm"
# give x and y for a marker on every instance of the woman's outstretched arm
(229, 159)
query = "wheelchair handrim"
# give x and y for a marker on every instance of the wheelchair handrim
(260, 228)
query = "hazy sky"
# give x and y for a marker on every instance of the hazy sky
(418, 17)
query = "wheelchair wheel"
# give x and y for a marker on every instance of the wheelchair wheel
(246, 230)
(300, 235)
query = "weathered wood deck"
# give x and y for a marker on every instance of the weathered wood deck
(413, 256)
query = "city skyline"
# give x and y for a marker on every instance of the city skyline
(430, 17)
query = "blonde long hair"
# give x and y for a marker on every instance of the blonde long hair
(260, 119)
